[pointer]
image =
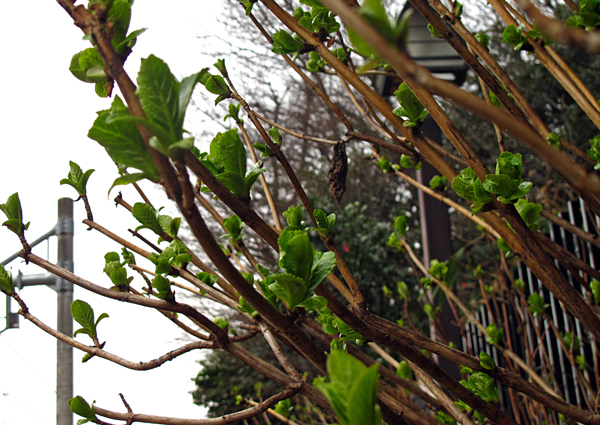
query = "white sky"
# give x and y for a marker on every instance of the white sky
(45, 115)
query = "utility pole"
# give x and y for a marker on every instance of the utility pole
(64, 289)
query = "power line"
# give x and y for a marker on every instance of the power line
(9, 397)
(30, 367)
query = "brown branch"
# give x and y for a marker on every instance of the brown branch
(217, 333)
(98, 352)
(226, 419)
(570, 227)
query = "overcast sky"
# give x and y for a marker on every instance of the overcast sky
(45, 115)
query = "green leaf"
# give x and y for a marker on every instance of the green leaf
(250, 178)
(6, 284)
(510, 164)
(159, 95)
(248, 4)
(284, 407)
(438, 269)
(234, 226)
(127, 179)
(232, 152)
(293, 216)
(384, 164)
(484, 386)
(12, 210)
(495, 334)
(434, 33)
(146, 215)
(122, 141)
(220, 65)
(264, 150)
(169, 225)
(284, 43)
(438, 183)
(515, 37)
(297, 255)
(555, 140)
(463, 184)
(401, 225)
(402, 290)
(80, 407)
(362, 401)
(163, 288)
(323, 264)
(217, 85)
(177, 254)
(536, 304)
(486, 361)
(234, 113)
(595, 288)
(120, 16)
(530, 213)
(131, 39)
(572, 340)
(483, 39)
(289, 288)
(275, 134)
(76, 69)
(91, 65)
(84, 315)
(500, 184)
(404, 370)
(406, 161)
(119, 276)
(374, 12)
(186, 88)
(352, 390)
(324, 222)
(245, 307)
(208, 278)
(313, 303)
(411, 107)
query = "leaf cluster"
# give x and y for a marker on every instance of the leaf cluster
(77, 178)
(153, 220)
(410, 108)
(227, 161)
(495, 334)
(6, 283)
(587, 18)
(87, 65)
(318, 20)
(333, 325)
(483, 385)
(305, 268)
(507, 183)
(14, 214)
(114, 269)
(324, 222)
(266, 151)
(594, 151)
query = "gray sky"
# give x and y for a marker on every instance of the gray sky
(45, 115)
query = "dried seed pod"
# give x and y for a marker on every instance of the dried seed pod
(338, 172)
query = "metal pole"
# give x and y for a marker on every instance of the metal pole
(435, 236)
(64, 289)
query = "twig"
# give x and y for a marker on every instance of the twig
(227, 419)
